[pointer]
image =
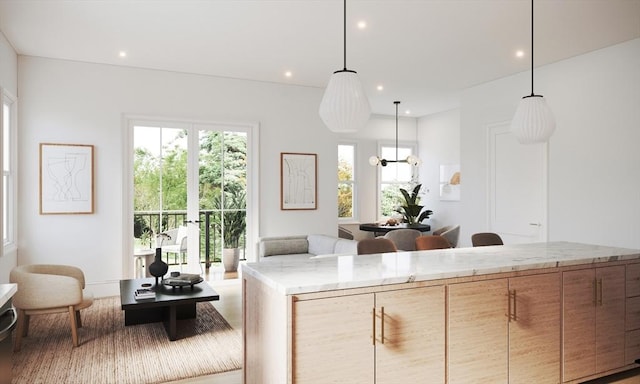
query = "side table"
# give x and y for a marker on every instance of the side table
(144, 258)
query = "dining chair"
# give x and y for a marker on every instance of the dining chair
(482, 239)
(377, 245)
(424, 243)
(449, 232)
(404, 238)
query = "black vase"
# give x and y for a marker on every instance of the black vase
(158, 268)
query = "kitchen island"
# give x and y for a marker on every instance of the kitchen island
(543, 313)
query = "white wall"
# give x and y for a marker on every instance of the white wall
(594, 161)
(71, 102)
(8, 81)
(439, 137)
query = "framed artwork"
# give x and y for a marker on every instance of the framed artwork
(66, 178)
(450, 182)
(298, 181)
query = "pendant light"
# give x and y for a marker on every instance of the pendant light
(411, 159)
(533, 121)
(344, 107)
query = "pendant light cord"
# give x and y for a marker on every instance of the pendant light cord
(532, 94)
(396, 103)
(345, 35)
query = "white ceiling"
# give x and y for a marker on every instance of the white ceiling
(423, 51)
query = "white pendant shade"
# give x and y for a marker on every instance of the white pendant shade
(533, 121)
(344, 107)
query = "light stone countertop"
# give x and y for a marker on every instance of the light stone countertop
(6, 292)
(356, 271)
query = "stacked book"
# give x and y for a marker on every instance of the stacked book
(183, 279)
(144, 293)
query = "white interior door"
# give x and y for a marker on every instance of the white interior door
(517, 187)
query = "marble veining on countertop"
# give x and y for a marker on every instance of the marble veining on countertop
(6, 292)
(355, 271)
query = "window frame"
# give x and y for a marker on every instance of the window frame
(10, 177)
(353, 182)
(413, 147)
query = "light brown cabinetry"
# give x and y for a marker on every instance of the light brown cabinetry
(384, 337)
(632, 318)
(593, 321)
(505, 330)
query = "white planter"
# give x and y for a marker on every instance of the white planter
(230, 259)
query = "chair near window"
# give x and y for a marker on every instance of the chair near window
(377, 245)
(428, 242)
(404, 238)
(483, 239)
(174, 241)
(45, 289)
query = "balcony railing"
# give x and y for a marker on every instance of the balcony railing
(211, 242)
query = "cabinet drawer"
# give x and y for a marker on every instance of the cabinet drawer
(632, 348)
(632, 319)
(633, 280)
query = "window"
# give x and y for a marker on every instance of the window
(395, 176)
(346, 181)
(8, 114)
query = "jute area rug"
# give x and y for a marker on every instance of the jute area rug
(109, 352)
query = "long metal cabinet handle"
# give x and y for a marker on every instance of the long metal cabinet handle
(511, 310)
(373, 316)
(515, 306)
(595, 292)
(600, 292)
(381, 325)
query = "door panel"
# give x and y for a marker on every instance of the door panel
(534, 334)
(333, 340)
(478, 332)
(578, 324)
(517, 187)
(414, 329)
(610, 316)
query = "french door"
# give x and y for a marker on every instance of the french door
(192, 188)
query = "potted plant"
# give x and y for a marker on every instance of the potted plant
(234, 224)
(411, 211)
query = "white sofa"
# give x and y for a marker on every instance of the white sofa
(295, 248)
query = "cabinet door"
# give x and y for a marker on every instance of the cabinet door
(333, 340)
(610, 314)
(633, 280)
(477, 332)
(413, 327)
(534, 334)
(579, 324)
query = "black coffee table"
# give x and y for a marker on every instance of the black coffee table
(169, 305)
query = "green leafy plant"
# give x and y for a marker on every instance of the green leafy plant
(234, 221)
(412, 212)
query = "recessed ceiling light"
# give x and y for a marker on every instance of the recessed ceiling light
(519, 53)
(288, 74)
(380, 87)
(122, 54)
(362, 24)
(407, 112)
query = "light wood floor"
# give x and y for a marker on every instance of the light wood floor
(230, 306)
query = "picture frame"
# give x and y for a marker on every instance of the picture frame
(450, 182)
(66, 179)
(298, 181)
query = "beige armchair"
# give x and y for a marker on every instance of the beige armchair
(44, 289)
